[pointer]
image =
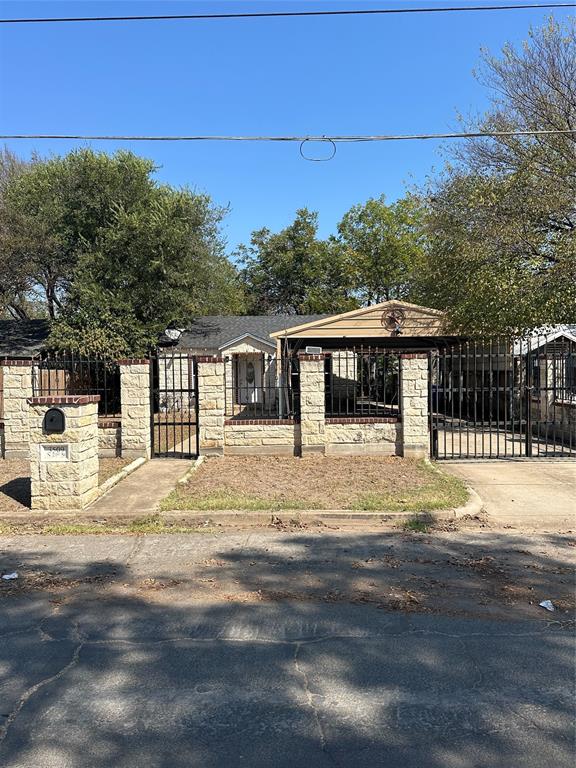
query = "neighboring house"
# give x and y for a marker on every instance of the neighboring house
(21, 339)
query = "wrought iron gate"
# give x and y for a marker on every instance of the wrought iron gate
(502, 399)
(174, 406)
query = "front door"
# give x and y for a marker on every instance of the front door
(250, 379)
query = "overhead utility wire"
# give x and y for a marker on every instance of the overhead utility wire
(327, 138)
(284, 14)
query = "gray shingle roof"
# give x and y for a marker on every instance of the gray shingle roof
(22, 338)
(213, 331)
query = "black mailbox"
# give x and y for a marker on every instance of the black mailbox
(54, 421)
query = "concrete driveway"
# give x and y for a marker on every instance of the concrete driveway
(539, 494)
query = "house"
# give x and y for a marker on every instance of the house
(259, 354)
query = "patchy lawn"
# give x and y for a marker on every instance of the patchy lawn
(317, 482)
(14, 484)
(15, 481)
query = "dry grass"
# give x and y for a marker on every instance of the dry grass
(14, 484)
(280, 483)
(15, 480)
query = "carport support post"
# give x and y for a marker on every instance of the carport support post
(312, 404)
(414, 405)
(64, 465)
(17, 380)
(211, 405)
(135, 407)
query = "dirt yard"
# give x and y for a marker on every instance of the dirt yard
(15, 481)
(317, 482)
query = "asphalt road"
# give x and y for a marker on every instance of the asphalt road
(184, 651)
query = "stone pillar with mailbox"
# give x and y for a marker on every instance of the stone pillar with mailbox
(63, 451)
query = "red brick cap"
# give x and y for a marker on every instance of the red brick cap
(63, 400)
(252, 422)
(19, 363)
(304, 356)
(414, 355)
(134, 361)
(363, 420)
(209, 359)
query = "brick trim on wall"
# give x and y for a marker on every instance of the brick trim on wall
(109, 423)
(363, 420)
(63, 400)
(210, 359)
(253, 422)
(413, 355)
(304, 356)
(19, 363)
(134, 361)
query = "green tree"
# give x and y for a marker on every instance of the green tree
(63, 203)
(383, 244)
(115, 256)
(292, 271)
(15, 263)
(501, 219)
(149, 268)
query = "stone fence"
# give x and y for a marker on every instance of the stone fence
(403, 435)
(127, 435)
(130, 435)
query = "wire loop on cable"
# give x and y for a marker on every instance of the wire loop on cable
(318, 159)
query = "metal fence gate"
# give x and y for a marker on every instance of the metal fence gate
(174, 406)
(502, 399)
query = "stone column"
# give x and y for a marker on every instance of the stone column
(312, 404)
(414, 405)
(211, 405)
(64, 466)
(229, 365)
(135, 407)
(17, 379)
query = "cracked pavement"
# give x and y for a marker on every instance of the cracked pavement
(287, 649)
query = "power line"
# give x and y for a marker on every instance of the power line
(285, 14)
(325, 138)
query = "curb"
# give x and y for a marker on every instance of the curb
(473, 506)
(189, 472)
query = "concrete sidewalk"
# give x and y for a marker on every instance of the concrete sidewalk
(540, 494)
(142, 491)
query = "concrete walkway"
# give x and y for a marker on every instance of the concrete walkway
(142, 491)
(539, 493)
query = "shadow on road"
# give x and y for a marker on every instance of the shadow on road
(134, 658)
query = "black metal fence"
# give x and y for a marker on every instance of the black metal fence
(174, 405)
(69, 374)
(362, 381)
(260, 386)
(503, 398)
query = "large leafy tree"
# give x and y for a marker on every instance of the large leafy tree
(502, 218)
(115, 256)
(149, 268)
(15, 264)
(293, 271)
(383, 244)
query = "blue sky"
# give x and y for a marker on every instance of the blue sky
(392, 74)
